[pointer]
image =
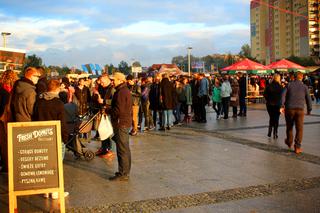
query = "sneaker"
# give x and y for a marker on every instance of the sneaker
(152, 128)
(108, 154)
(168, 128)
(46, 195)
(101, 152)
(133, 133)
(55, 195)
(297, 150)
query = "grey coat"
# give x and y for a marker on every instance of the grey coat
(23, 100)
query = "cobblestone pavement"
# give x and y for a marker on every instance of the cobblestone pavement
(222, 166)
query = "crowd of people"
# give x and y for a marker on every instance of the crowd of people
(136, 105)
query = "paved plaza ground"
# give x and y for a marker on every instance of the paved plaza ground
(221, 166)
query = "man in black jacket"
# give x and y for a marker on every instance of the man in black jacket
(121, 118)
(242, 95)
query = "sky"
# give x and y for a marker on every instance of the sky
(75, 32)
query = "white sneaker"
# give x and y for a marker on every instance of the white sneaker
(55, 195)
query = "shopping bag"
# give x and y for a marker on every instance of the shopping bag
(105, 127)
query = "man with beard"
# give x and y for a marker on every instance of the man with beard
(24, 95)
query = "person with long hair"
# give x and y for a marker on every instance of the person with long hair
(7, 80)
(272, 94)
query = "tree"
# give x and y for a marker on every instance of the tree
(229, 59)
(178, 60)
(124, 67)
(303, 61)
(245, 51)
(64, 70)
(136, 64)
(111, 69)
(32, 61)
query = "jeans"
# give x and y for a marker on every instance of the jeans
(166, 118)
(243, 106)
(155, 116)
(121, 136)
(63, 147)
(177, 113)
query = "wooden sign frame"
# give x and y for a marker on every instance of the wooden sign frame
(60, 189)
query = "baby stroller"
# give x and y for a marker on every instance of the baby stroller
(75, 143)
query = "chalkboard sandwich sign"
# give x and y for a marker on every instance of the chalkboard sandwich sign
(35, 160)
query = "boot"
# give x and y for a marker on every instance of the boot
(275, 131)
(269, 131)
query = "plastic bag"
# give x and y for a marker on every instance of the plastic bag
(105, 127)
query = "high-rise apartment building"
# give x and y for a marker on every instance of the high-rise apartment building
(314, 27)
(281, 28)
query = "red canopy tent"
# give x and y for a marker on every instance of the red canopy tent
(245, 65)
(285, 64)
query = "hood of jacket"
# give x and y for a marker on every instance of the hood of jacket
(49, 95)
(24, 85)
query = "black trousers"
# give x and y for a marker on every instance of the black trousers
(225, 106)
(217, 106)
(202, 108)
(274, 114)
(196, 107)
(121, 136)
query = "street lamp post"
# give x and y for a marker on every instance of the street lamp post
(4, 34)
(189, 52)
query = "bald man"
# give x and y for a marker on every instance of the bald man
(24, 95)
(294, 97)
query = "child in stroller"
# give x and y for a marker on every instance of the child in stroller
(77, 126)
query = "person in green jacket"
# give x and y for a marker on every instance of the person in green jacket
(216, 98)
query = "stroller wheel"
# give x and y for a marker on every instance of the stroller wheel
(88, 155)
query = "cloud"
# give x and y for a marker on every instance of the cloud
(110, 31)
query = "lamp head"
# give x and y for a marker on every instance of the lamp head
(5, 33)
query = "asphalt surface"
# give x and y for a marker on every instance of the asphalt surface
(221, 166)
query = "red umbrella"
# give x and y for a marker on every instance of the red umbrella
(246, 64)
(285, 64)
